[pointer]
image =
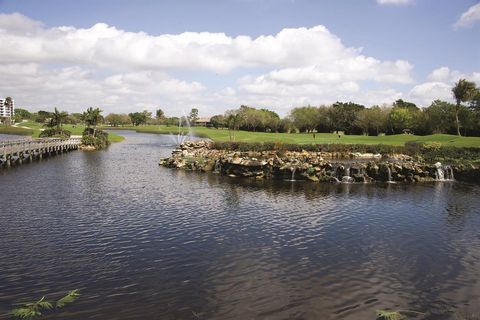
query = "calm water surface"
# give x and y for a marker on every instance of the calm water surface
(145, 242)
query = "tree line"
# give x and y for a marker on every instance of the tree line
(462, 117)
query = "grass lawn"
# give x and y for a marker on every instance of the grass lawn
(34, 130)
(14, 130)
(303, 138)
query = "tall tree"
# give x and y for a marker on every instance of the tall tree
(92, 117)
(193, 116)
(234, 119)
(343, 116)
(218, 121)
(463, 91)
(304, 118)
(160, 115)
(138, 118)
(58, 119)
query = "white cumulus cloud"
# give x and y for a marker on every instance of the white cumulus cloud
(118, 70)
(394, 2)
(439, 85)
(469, 17)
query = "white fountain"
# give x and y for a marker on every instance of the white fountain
(181, 137)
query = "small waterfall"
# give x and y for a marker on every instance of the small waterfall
(449, 173)
(347, 179)
(293, 169)
(218, 167)
(439, 172)
(389, 175)
(346, 176)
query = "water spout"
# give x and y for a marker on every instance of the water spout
(181, 136)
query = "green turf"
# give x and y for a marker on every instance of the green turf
(34, 130)
(15, 131)
(303, 138)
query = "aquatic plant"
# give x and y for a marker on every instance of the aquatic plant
(32, 310)
(35, 310)
(70, 297)
(395, 314)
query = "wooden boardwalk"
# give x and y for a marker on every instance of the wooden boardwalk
(19, 151)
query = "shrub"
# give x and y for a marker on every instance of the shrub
(54, 133)
(432, 152)
(99, 141)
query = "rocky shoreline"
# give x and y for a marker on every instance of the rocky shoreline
(315, 166)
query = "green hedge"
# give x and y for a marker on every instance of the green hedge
(429, 152)
(270, 146)
(54, 133)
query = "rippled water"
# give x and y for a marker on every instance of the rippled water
(146, 242)
(12, 137)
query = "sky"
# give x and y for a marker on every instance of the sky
(215, 55)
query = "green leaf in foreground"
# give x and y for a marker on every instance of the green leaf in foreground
(389, 315)
(32, 310)
(70, 297)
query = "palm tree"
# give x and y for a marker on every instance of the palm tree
(233, 122)
(462, 92)
(92, 118)
(58, 119)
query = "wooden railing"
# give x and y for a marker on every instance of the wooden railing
(14, 151)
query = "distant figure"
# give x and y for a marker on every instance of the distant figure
(339, 135)
(314, 136)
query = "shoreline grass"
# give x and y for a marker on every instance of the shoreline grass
(34, 130)
(15, 131)
(222, 135)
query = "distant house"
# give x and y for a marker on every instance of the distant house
(7, 110)
(203, 122)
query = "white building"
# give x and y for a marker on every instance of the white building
(7, 110)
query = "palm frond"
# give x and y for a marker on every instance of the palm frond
(31, 310)
(70, 297)
(389, 315)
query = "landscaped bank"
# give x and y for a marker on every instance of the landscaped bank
(325, 163)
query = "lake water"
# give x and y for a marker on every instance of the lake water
(10, 137)
(146, 242)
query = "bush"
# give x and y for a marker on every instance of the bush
(54, 133)
(279, 146)
(430, 152)
(99, 141)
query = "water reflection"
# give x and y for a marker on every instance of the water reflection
(143, 241)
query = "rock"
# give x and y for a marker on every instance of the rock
(314, 166)
(87, 148)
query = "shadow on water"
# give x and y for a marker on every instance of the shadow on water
(142, 241)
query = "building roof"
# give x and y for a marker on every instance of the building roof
(203, 119)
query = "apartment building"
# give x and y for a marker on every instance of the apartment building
(7, 110)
